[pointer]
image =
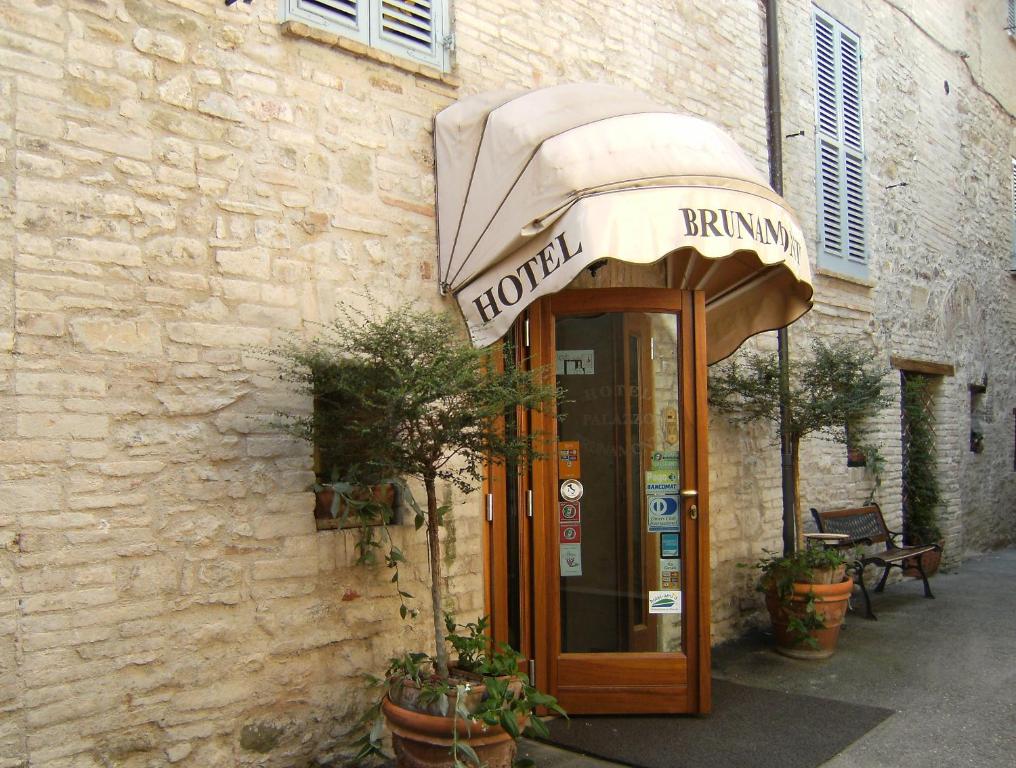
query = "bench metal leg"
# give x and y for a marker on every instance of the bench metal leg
(885, 576)
(927, 587)
(859, 570)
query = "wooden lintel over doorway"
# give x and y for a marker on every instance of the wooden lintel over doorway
(921, 366)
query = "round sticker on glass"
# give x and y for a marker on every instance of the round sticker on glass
(571, 490)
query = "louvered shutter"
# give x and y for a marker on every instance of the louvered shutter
(842, 222)
(1013, 265)
(346, 17)
(1010, 22)
(410, 28)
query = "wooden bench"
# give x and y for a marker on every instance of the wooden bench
(865, 525)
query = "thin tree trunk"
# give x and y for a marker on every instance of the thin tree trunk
(798, 522)
(436, 582)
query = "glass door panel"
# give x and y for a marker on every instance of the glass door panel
(618, 433)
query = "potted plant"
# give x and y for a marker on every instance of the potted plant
(831, 390)
(806, 594)
(921, 495)
(404, 397)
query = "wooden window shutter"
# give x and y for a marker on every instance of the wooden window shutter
(410, 28)
(1010, 19)
(347, 17)
(1013, 190)
(842, 218)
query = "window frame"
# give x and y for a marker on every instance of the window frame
(846, 251)
(367, 29)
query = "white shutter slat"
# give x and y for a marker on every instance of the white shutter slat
(850, 86)
(343, 12)
(831, 198)
(1013, 265)
(410, 28)
(840, 155)
(825, 68)
(854, 189)
(408, 21)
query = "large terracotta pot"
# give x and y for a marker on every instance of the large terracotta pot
(830, 604)
(930, 561)
(425, 741)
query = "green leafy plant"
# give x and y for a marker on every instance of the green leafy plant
(489, 690)
(922, 494)
(402, 396)
(833, 388)
(810, 565)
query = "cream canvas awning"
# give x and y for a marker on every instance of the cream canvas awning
(534, 187)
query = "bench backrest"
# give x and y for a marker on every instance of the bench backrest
(861, 524)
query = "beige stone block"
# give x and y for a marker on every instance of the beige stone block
(115, 142)
(161, 45)
(80, 599)
(108, 501)
(59, 384)
(113, 335)
(177, 251)
(33, 65)
(74, 426)
(222, 106)
(101, 251)
(212, 335)
(177, 92)
(131, 468)
(27, 496)
(270, 317)
(40, 323)
(134, 66)
(288, 568)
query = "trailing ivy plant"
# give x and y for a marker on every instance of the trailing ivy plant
(834, 387)
(920, 480)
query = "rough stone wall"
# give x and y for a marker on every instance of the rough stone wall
(939, 287)
(180, 182)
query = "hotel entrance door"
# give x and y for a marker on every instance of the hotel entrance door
(616, 615)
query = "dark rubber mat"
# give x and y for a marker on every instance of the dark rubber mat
(748, 728)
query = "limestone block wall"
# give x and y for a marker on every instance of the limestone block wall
(180, 183)
(939, 290)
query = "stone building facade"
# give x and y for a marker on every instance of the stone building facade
(184, 181)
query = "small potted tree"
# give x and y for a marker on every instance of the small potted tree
(831, 390)
(403, 397)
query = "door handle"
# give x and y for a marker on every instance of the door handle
(689, 493)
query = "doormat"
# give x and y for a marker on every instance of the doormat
(749, 728)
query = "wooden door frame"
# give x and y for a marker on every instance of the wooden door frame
(539, 563)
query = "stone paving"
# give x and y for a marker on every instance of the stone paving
(945, 665)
